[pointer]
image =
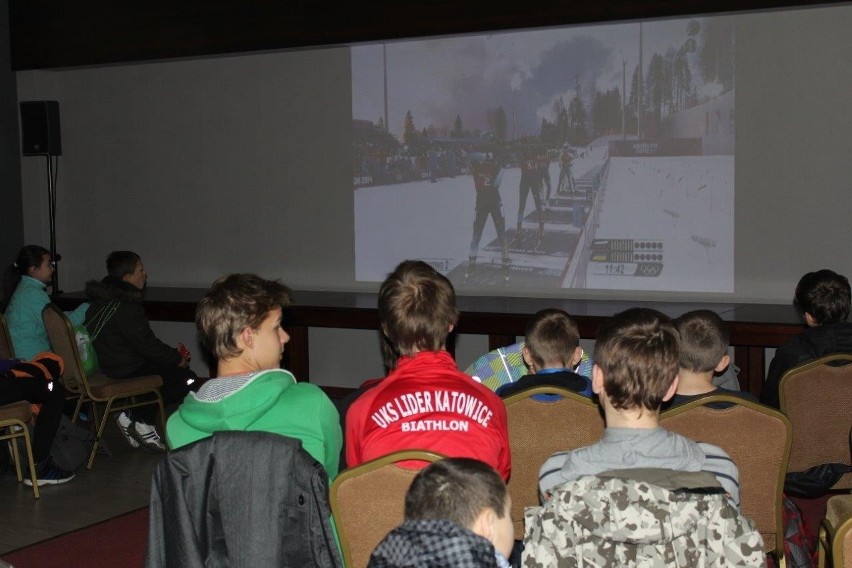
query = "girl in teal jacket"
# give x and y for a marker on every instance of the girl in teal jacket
(25, 295)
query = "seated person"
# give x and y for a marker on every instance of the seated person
(38, 382)
(25, 296)
(551, 350)
(823, 297)
(425, 402)
(703, 352)
(457, 513)
(239, 320)
(127, 347)
(636, 365)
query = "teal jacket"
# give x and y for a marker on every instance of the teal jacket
(23, 315)
(271, 401)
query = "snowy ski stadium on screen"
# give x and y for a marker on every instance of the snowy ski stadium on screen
(515, 160)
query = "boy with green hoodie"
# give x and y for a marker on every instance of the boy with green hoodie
(239, 320)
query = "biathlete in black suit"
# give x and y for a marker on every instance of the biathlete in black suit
(487, 175)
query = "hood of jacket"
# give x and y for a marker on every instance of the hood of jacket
(111, 289)
(654, 506)
(239, 409)
(622, 521)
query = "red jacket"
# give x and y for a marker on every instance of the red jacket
(426, 403)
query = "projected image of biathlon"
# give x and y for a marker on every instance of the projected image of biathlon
(514, 160)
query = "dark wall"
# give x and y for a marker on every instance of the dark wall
(11, 220)
(56, 33)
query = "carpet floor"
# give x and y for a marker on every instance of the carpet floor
(119, 541)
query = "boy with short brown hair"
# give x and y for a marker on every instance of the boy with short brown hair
(425, 402)
(635, 371)
(551, 351)
(417, 308)
(457, 513)
(703, 352)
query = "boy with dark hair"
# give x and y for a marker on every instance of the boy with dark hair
(551, 350)
(457, 513)
(703, 352)
(823, 297)
(127, 346)
(121, 263)
(635, 371)
(425, 402)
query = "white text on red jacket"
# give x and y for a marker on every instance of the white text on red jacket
(412, 405)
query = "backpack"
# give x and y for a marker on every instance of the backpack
(85, 340)
(800, 539)
(72, 445)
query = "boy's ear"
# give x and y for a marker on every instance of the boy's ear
(527, 357)
(575, 358)
(810, 320)
(451, 328)
(723, 363)
(597, 379)
(484, 524)
(245, 339)
(672, 389)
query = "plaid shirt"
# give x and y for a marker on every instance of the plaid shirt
(433, 544)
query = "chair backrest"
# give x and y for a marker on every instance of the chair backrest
(842, 546)
(758, 440)
(13, 426)
(368, 501)
(60, 332)
(537, 430)
(835, 535)
(817, 398)
(7, 350)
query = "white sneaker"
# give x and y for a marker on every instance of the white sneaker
(149, 438)
(125, 424)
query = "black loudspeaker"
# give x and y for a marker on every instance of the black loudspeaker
(40, 128)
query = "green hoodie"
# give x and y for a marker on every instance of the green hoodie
(271, 401)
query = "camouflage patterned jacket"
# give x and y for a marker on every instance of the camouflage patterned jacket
(644, 518)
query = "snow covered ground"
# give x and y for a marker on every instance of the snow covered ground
(685, 202)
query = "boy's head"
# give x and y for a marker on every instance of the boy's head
(127, 266)
(417, 308)
(704, 341)
(234, 303)
(636, 359)
(552, 340)
(467, 492)
(823, 297)
(121, 263)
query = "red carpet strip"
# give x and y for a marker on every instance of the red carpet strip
(119, 541)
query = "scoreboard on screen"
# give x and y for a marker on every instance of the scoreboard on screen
(626, 257)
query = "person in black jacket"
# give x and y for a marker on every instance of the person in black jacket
(823, 297)
(127, 347)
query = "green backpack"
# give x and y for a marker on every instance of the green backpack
(86, 339)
